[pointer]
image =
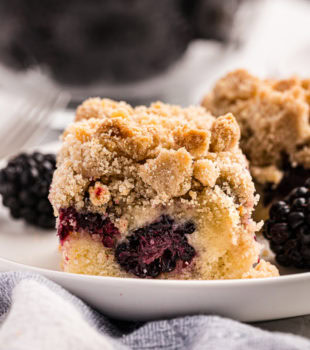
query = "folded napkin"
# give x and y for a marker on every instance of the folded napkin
(37, 314)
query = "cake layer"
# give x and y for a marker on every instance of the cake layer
(165, 249)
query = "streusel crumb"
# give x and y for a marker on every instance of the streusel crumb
(99, 194)
(146, 154)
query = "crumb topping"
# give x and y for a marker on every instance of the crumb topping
(176, 167)
(99, 194)
(206, 172)
(273, 116)
(116, 158)
(225, 134)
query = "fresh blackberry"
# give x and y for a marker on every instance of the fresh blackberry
(288, 228)
(292, 177)
(24, 186)
(156, 248)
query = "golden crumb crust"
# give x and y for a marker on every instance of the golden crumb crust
(147, 154)
(273, 116)
(136, 164)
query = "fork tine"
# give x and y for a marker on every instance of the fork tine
(9, 133)
(24, 134)
(41, 115)
(29, 99)
(30, 122)
(60, 99)
(11, 120)
(18, 128)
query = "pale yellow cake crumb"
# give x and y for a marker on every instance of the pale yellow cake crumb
(261, 270)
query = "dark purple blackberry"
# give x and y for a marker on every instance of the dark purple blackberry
(292, 177)
(94, 224)
(24, 186)
(156, 248)
(288, 228)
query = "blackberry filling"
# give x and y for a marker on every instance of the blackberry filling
(94, 224)
(156, 248)
(147, 252)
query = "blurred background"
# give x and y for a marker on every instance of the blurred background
(54, 54)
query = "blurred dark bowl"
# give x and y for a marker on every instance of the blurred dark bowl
(81, 43)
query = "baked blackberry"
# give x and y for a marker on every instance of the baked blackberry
(288, 228)
(93, 223)
(24, 186)
(156, 248)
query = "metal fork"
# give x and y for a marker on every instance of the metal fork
(30, 104)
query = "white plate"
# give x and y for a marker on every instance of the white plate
(26, 248)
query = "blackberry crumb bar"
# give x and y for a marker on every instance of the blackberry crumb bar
(155, 192)
(275, 133)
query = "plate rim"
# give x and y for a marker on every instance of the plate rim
(302, 276)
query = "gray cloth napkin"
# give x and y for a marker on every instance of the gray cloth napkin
(36, 313)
